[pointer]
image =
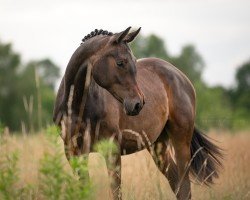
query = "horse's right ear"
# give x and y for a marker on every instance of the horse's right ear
(118, 37)
(131, 36)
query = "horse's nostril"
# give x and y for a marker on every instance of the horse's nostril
(137, 107)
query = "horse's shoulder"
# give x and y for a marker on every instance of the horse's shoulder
(171, 76)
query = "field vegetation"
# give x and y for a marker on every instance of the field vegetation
(35, 167)
(33, 164)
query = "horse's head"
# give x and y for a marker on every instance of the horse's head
(114, 68)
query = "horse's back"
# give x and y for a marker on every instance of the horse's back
(169, 74)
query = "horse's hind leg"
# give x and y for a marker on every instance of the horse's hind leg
(180, 131)
(181, 135)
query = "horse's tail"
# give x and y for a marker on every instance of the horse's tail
(205, 158)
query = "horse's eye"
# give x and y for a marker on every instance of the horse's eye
(120, 63)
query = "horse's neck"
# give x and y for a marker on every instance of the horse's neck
(77, 67)
(94, 107)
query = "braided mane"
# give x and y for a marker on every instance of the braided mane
(96, 32)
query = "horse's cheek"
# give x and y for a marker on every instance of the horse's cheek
(100, 76)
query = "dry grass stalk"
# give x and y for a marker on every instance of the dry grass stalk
(141, 179)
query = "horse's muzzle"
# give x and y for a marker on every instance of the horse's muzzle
(134, 106)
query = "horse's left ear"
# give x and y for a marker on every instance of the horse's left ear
(117, 38)
(131, 36)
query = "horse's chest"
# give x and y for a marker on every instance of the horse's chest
(152, 118)
(147, 125)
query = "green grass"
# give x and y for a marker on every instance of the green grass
(55, 181)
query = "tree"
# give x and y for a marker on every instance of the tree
(149, 46)
(26, 91)
(243, 78)
(47, 71)
(9, 63)
(190, 62)
(212, 107)
(240, 96)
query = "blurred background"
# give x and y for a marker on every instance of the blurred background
(208, 40)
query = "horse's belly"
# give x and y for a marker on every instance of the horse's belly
(153, 116)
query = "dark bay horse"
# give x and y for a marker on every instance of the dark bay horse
(106, 91)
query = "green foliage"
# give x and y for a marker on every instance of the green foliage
(240, 93)
(243, 78)
(80, 166)
(31, 84)
(109, 150)
(1, 128)
(47, 70)
(51, 176)
(53, 133)
(149, 46)
(240, 97)
(82, 188)
(56, 182)
(106, 147)
(190, 62)
(9, 177)
(213, 107)
(9, 62)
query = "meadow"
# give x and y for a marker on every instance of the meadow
(33, 166)
(140, 178)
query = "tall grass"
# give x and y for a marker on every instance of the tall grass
(41, 171)
(35, 167)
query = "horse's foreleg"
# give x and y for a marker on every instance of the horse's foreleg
(116, 179)
(79, 169)
(113, 162)
(163, 159)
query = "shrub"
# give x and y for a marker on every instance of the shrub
(9, 177)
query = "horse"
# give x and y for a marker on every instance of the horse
(107, 93)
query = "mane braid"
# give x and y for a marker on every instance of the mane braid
(94, 33)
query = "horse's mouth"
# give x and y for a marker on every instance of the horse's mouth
(131, 113)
